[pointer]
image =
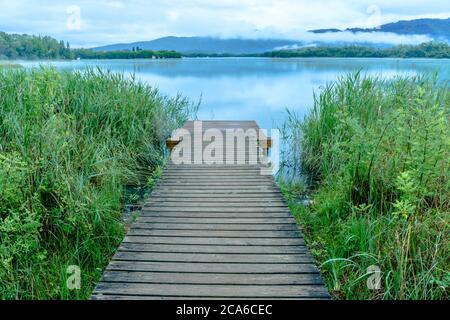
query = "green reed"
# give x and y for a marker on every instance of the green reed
(375, 157)
(69, 144)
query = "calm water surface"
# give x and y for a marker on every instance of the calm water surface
(254, 88)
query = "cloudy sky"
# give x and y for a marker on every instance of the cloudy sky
(91, 23)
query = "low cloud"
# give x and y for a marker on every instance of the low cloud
(306, 39)
(295, 47)
(366, 37)
(112, 21)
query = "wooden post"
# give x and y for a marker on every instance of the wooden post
(266, 145)
(172, 143)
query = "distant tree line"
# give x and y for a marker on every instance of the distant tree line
(134, 54)
(22, 46)
(424, 50)
(17, 46)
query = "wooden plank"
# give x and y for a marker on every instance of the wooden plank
(212, 257)
(208, 172)
(214, 192)
(251, 268)
(251, 189)
(216, 181)
(210, 176)
(186, 248)
(214, 290)
(172, 143)
(217, 185)
(214, 204)
(215, 233)
(213, 226)
(156, 195)
(118, 297)
(216, 220)
(258, 211)
(211, 168)
(199, 200)
(212, 278)
(216, 241)
(216, 214)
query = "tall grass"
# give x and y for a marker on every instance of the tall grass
(69, 144)
(376, 154)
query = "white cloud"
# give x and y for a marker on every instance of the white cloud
(370, 37)
(116, 4)
(111, 21)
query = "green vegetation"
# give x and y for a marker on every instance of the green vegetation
(424, 50)
(16, 46)
(377, 157)
(70, 143)
(10, 65)
(135, 54)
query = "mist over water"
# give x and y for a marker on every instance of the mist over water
(254, 88)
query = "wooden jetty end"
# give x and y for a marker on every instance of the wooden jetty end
(213, 231)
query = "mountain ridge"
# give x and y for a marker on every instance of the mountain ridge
(437, 29)
(204, 45)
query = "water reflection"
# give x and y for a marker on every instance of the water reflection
(254, 88)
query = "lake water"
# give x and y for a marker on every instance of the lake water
(254, 88)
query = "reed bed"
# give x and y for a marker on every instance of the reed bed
(374, 156)
(70, 143)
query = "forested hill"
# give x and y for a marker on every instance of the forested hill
(438, 29)
(23, 46)
(437, 50)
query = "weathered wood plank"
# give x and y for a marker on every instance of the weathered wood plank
(212, 278)
(216, 220)
(212, 257)
(215, 233)
(223, 184)
(215, 196)
(214, 204)
(205, 192)
(261, 191)
(186, 248)
(215, 226)
(250, 173)
(212, 267)
(220, 201)
(118, 297)
(216, 241)
(214, 290)
(214, 214)
(258, 211)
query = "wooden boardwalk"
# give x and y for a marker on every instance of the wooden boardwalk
(213, 232)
